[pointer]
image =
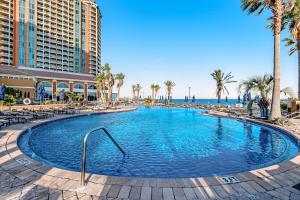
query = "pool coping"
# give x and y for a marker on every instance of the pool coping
(13, 161)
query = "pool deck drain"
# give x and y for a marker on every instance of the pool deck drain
(23, 178)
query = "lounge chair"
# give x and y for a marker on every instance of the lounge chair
(4, 122)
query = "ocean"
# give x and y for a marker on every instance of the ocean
(204, 101)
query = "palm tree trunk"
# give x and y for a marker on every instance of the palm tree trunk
(278, 11)
(219, 100)
(102, 93)
(110, 95)
(118, 96)
(275, 106)
(298, 47)
(152, 94)
(133, 94)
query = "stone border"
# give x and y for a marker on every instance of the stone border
(268, 179)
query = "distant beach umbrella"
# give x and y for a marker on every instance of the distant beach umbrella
(194, 99)
(2, 92)
(226, 99)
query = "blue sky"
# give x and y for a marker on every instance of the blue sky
(152, 41)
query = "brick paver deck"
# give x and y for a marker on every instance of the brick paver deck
(19, 180)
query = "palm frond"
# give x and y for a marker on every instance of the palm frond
(288, 91)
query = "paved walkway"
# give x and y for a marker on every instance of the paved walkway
(24, 178)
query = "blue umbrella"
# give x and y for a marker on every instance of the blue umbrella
(62, 94)
(194, 99)
(2, 92)
(226, 99)
(239, 99)
(41, 92)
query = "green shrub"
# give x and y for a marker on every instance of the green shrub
(284, 106)
(10, 91)
(9, 100)
(147, 101)
(47, 102)
(79, 97)
(124, 100)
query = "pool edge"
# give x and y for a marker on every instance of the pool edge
(9, 141)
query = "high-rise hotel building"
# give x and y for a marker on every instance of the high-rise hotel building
(52, 40)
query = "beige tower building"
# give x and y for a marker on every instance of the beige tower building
(52, 40)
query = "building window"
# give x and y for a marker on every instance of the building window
(77, 39)
(78, 86)
(92, 87)
(62, 86)
(83, 50)
(46, 84)
(48, 89)
(22, 32)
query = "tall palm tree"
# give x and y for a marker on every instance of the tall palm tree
(138, 90)
(221, 81)
(152, 91)
(110, 81)
(170, 85)
(120, 77)
(133, 91)
(101, 86)
(278, 8)
(293, 20)
(156, 89)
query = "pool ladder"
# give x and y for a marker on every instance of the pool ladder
(83, 165)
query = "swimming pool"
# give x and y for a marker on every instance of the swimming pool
(159, 143)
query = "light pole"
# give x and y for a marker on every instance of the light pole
(189, 92)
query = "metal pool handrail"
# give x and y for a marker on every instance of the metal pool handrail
(85, 145)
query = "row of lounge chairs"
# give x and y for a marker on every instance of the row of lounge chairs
(8, 118)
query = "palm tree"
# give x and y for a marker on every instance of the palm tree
(156, 89)
(133, 91)
(110, 81)
(138, 90)
(293, 20)
(120, 77)
(278, 8)
(101, 86)
(263, 85)
(221, 81)
(170, 85)
(288, 91)
(153, 91)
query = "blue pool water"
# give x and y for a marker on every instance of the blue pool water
(159, 142)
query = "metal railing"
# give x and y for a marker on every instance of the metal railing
(85, 146)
